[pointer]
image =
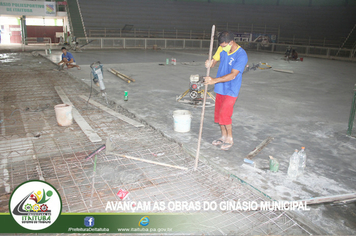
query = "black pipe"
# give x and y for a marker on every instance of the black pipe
(102, 147)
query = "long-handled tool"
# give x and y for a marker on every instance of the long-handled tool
(204, 101)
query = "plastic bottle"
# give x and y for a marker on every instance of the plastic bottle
(293, 165)
(302, 156)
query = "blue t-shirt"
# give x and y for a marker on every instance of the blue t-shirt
(236, 60)
(69, 56)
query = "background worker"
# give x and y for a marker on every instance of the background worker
(68, 59)
(233, 60)
(294, 54)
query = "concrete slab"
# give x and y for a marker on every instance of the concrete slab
(307, 108)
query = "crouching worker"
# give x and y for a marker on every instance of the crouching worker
(67, 59)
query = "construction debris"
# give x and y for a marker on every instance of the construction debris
(259, 148)
(121, 76)
(346, 198)
(110, 148)
(152, 162)
(285, 71)
(249, 161)
(102, 147)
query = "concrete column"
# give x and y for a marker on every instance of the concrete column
(23, 29)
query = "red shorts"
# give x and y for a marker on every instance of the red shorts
(224, 106)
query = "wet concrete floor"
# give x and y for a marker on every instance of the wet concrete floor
(310, 108)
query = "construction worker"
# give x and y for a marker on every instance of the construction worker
(233, 60)
(67, 59)
(294, 55)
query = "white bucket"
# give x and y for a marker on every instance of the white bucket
(182, 120)
(64, 114)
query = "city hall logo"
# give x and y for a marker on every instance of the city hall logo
(50, 9)
(35, 205)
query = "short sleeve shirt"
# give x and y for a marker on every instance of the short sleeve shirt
(69, 56)
(236, 60)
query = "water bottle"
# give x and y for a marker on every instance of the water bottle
(293, 165)
(302, 156)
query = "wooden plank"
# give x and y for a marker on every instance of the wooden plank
(152, 162)
(121, 77)
(87, 129)
(336, 198)
(259, 148)
(114, 113)
(127, 77)
(285, 71)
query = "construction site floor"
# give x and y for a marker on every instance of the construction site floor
(309, 107)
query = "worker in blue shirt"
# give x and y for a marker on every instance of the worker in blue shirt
(233, 60)
(67, 59)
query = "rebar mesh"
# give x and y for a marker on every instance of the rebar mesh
(33, 146)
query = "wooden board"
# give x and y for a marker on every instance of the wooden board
(87, 129)
(121, 74)
(335, 198)
(259, 148)
(114, 113)
(285, 71)
(151, 162)
(121, 77)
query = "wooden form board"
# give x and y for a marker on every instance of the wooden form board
(114, 113)
(335, 198)
(152, 162)
(259, 148)
(284, 71)
(121, 77)
(87, 129)
(121, 74)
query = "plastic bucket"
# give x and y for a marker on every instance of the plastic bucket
(64, 114)
(301, 58)
(182, 120)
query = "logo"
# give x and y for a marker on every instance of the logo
(50, 8)
(89, 221)
(144, 221)
(35, 205)
(231, 60)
